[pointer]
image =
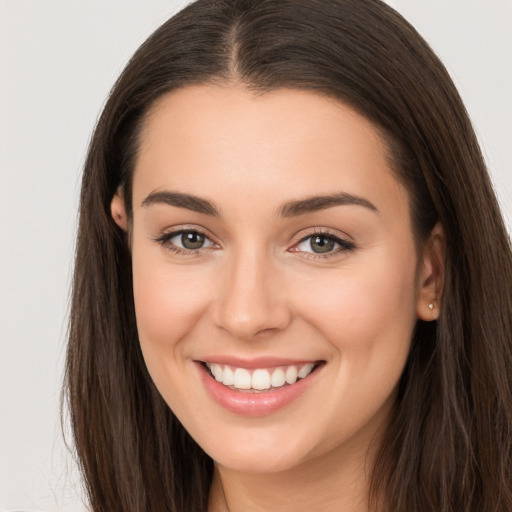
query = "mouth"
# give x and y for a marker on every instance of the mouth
(260, 380)
(259, 386)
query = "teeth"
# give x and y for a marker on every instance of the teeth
(217, 372)
(305, 370)
(260, 379)
(242, 379)
(228, 376)
(291, 374)
(277, 380)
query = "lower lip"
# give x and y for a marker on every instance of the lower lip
(260, 403)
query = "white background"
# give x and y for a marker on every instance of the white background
(58, 59)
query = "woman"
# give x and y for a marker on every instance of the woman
(293, 283)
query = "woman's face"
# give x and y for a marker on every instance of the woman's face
(271, 241)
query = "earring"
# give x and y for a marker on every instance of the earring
(431, 306)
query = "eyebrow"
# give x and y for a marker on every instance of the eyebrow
(317, 203)
(181, 200)
(290, 209)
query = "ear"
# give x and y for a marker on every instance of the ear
(431, 275)
(118, 210)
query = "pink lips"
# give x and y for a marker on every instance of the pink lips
(254, 403)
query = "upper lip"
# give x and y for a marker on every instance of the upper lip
(255, 362)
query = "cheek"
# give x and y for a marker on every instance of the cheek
(367, 315)
(169, 302)
(364, 306)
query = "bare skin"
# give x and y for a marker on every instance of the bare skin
(235, 258)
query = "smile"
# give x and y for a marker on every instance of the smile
(259, 379)
(259, 388)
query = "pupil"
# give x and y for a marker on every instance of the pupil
(322, 244)
(192, 240)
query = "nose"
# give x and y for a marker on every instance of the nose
(252, 297)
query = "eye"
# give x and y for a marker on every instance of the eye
(323, 244)
(191, 240)
(185, 240)
(318, 243)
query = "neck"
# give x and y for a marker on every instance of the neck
(333, 482)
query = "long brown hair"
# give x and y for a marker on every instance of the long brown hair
(448, 446)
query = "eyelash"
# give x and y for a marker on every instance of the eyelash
(344, 244)
(164, 240)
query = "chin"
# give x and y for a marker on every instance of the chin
(259, 452)
(257, 462)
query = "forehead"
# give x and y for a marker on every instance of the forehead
(216, 140)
